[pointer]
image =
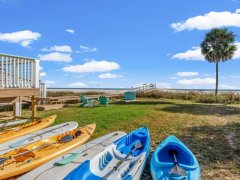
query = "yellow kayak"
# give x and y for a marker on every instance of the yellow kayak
(26, 158)
(21, 130)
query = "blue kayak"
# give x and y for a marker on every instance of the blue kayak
(116, 161)
(174, 160)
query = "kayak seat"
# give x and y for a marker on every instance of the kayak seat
(126, 145)
(25, 156)
(120, 155)
(77, 133)
(183, 157)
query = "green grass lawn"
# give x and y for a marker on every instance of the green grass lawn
(212, 132)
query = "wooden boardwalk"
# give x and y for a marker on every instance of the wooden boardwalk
(58, 102)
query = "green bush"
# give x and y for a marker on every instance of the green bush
(223, 98)
(69, 93)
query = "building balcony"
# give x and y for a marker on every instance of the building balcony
(19, 76)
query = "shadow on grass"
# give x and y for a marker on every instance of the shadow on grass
(202, 109)
(216, 147)
(214, 144)
(147, 102)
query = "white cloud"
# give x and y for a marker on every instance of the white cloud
(109, 76)
(72, 31)
(56, 56)
(163, 85)
(192, 54)
(185, 74)
(197, 81)
(24, 38)
(92, 66)
(64, 48)
(77, 84)
(85, 49)
(196, 55)
(237, 10)
(209, 21)
(43, 74)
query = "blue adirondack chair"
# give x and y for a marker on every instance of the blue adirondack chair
(103, 100)
(87, 102)
(129, 96)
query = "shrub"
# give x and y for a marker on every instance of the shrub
(224, 98)
(70, 93)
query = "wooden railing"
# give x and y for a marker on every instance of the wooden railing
(18, 72)
(145, 88)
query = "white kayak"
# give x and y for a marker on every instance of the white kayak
(124, 159)
(53, 170)
(36, 136)
(10, 123)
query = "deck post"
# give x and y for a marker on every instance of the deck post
(17, 106)
(36, 74)
(34, 106)
(44, 94)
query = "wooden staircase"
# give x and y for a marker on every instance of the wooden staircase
(145, 88)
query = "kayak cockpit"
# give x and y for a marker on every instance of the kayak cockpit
(165, 159)
(126, 144)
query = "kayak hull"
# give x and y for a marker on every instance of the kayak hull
(37, 136)
(51, 170)
(18, 131)
(101, 164)
(10, 123)
(52, 149)
(162, 161)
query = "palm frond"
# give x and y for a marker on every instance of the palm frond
(218, 45)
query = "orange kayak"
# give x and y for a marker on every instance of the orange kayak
(29, 157)
(21, 130)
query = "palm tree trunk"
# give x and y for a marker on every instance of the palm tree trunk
(216, 90)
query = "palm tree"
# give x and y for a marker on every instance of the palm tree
(218, 45)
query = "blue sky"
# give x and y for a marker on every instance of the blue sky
(120, 43)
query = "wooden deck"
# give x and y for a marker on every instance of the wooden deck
(15, 92)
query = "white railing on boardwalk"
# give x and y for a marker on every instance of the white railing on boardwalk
(145, 88)
(18, 72)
